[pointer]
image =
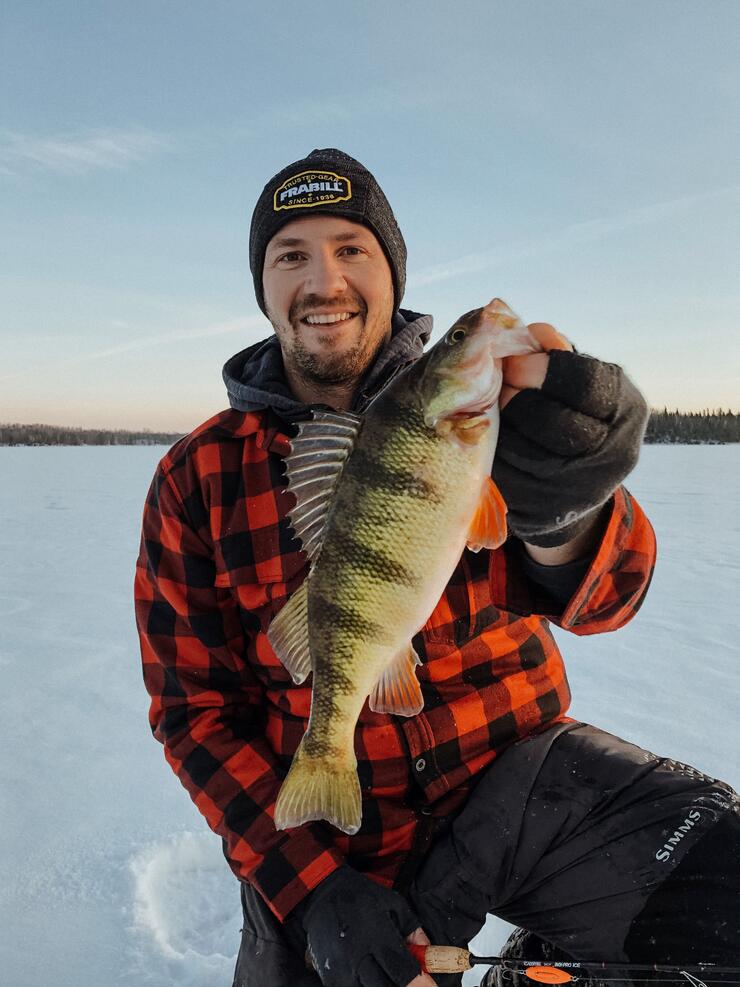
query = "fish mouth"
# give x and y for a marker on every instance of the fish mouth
(469, 413)
(480, 405)
(462, 414)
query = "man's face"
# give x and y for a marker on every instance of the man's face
(325, 266)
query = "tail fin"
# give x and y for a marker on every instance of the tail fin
(319, 788)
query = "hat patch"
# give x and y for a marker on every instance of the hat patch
(312, 188)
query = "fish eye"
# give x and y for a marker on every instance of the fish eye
(456, 335)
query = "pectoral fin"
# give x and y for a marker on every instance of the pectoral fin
(488, 527)
(288, 635)
(398, 690)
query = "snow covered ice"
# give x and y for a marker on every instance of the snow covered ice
(108, 874)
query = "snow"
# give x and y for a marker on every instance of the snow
(108, 874)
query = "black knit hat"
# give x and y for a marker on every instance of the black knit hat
(327, 182)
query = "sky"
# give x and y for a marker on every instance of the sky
(579, 159)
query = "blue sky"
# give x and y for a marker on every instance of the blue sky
(579, 159)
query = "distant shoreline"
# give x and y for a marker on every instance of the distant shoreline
(16, 434)
(664, 428)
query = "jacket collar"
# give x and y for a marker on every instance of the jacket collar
(255, 377)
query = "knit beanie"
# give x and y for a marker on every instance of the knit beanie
(326, 183)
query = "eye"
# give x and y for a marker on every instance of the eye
(356, 250)
(290, 258)
(456, 335)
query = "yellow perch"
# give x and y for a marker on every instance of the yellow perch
(385, 505)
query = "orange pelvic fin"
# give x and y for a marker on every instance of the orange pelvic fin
(488, 527)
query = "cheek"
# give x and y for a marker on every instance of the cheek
(379, 315)
(278, 296)
(376, 288)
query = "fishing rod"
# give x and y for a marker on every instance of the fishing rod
(452, 959)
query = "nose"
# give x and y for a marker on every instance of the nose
(325, 275)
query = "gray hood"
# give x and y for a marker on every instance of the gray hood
(255, 377)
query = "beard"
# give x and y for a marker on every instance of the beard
(343, 368)
(335, 369)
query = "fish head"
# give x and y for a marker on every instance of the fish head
(462, 375)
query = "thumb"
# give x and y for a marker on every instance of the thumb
(507, 393)
(418, 938)
(547, 337)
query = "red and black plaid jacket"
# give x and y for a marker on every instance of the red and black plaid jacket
(218, 561)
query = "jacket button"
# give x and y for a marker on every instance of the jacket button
(420, 764)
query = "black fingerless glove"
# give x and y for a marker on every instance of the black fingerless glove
(356, 932)
(563, 450)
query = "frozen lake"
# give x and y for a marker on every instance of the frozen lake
(108, 874)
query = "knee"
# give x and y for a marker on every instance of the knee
(692, 914)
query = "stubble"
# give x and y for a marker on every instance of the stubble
(341, 369)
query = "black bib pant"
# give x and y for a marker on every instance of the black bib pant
(590, 843)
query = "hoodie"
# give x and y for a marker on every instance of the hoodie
(255, 377)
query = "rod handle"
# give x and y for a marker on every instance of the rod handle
(442, 959)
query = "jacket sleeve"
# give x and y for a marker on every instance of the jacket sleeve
(613, 587)
(207, 707)
(617, 581)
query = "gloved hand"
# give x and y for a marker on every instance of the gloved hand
(564, 448)
(356, 932)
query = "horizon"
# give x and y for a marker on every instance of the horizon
(579, 162)
(174, 431)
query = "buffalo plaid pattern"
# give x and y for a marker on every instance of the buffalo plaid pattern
(218, 560)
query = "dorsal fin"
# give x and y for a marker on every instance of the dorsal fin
(313, 466)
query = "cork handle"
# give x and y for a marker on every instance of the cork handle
(442, 959)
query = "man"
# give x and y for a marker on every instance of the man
(491, 800)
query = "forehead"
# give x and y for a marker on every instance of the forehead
(314, 230)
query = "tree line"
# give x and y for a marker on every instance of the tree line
(693, 427)
(680, 427)
(15, 434)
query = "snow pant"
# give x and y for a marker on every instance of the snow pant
(597, 846)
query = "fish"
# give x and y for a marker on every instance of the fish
(386, 503)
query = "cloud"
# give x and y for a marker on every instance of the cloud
(76, 154)
(162, 339)
(568, 236)
(204, 332)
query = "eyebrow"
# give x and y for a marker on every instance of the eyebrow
(295, 241)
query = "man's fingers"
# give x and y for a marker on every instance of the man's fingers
(507, 393)
(528, 370)
(419, 938)
(423, 980)
(548, 337)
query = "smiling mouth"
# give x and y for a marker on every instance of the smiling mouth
(334, 319)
